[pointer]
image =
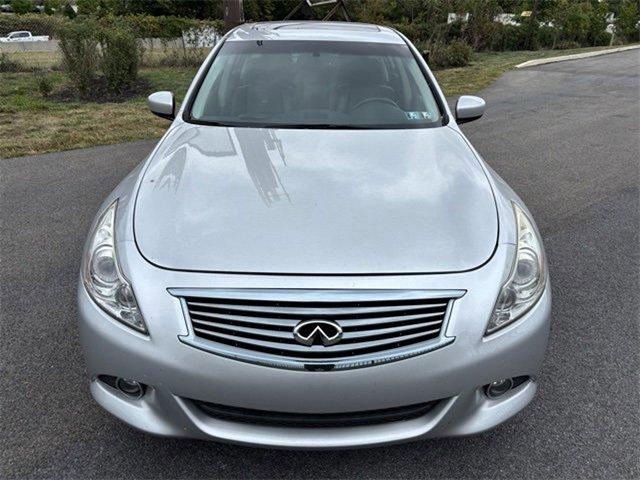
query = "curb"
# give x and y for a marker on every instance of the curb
(576, 56)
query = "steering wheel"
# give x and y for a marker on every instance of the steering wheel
(388, 101)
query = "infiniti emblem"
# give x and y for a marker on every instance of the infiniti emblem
(325, 332)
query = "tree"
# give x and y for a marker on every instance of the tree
(627, 21)
(573, 20)
(51, 6)
(598, 34)
(530, 25)
(21, 7)
(480, 29)
(88, 7)
(233, 14)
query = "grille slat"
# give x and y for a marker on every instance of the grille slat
(280, 322)
(380, 322)
(285, 335)
(262, 322)
(305, 312)
(377, 325)
(203, 326)
(335, 349)
(302, 351)
(390, 331)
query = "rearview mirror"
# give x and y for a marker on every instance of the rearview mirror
(162, 104)
(469, 108)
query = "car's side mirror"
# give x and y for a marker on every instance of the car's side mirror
(162, 104)
(469, 108)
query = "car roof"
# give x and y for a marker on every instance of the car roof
(315, 31)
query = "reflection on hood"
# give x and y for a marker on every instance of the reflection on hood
(256, 145)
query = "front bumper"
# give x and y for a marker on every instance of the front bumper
(176, 372)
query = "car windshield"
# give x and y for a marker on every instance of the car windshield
(305, 84)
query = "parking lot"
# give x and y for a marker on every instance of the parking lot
(564, 136)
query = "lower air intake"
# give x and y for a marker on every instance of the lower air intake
(313, 420)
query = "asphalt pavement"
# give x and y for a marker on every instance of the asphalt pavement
(565, 136)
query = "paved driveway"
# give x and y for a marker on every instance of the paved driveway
(565, 136)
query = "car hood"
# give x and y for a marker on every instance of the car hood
(313, 201)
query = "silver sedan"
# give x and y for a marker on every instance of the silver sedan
(314, 255)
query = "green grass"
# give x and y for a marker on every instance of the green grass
(31, 124)
(40, 60)
(487, 67)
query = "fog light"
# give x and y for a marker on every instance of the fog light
(131, 388)
(499, 387)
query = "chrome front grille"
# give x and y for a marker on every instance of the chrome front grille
(377, 326)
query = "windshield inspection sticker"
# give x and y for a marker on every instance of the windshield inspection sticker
(418, 115)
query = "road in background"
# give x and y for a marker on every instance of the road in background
(207, 40)
(48, 46)
(564, 136)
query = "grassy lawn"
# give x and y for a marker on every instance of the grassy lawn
(487, 67)
(31, 124)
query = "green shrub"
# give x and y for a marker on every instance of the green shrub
(458, 53)
(87, 7)
(452, 31)
(576, 23)
(79, 47)
(119, 59)
(147, 26)
(45, 85)
(51, 6)
(113, 46)
(530, 27)
(8, 65)
(509, 37)
(601, 39)
(105, 46)
(480, 30)
(627, 22)
(163, 27)
(20, 7)
(547, 37)
(597, 34)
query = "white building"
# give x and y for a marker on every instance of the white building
(457, 17)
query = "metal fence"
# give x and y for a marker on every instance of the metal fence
(38, 48)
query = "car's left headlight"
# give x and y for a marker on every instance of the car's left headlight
(526, 282)
(102, 277)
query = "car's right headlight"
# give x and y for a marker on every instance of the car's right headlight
(102, 277)
(528, 276)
